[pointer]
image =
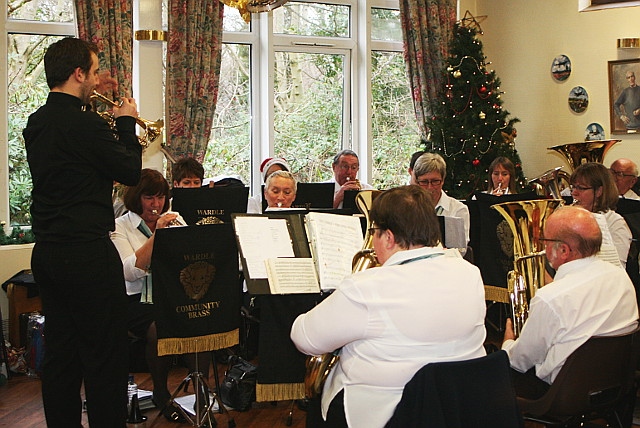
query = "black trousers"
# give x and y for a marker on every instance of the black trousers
(85, 306)
(335, 415)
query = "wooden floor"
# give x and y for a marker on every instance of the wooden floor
(21, 406)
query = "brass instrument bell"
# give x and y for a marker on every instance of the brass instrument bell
(584, 151)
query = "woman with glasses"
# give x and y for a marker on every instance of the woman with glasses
(593, 188)
(502, 177)
(429, 173)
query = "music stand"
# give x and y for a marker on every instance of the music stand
(209, 205)
(197, 303)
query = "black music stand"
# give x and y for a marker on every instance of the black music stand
(202, 205)
(197, 303)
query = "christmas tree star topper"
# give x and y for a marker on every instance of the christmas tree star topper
(470, 21)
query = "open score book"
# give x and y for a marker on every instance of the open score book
(297, 253)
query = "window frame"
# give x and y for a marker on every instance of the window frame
(26, 27)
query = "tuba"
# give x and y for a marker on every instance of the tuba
(152, 130)
(548, 184)
(584, 151)
(526, 220)
(319, 366)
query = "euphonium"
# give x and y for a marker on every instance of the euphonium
(319, 366)
(548, 184)
(526, 220)
(151, 129)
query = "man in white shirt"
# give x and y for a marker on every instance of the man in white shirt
(429, 172)
(625, 173)
(424, 304)
(588, 297)
(345, 172)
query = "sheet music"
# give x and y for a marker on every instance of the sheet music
(454, 235)
(334, 239)
(292, 276)
(262, 238)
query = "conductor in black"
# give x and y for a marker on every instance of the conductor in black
(74, 157)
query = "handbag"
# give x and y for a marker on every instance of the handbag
(238, 388)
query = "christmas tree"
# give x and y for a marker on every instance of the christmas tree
(469, 128)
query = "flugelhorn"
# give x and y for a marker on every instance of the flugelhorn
(152, 130)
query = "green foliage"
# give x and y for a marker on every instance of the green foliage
(17, 236)
(469, 127)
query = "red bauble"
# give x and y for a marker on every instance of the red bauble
(483, 89)
(476, 162)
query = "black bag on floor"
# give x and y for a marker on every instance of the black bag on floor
(238, 388)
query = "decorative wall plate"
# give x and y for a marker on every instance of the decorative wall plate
(594, 132)
(578, 99)
(561, 68)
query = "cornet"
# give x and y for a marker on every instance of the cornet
(151, 129)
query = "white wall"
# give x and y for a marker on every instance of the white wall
(14, 259)
(521, 39)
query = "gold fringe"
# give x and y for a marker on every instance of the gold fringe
(279, 391)
(190, 345)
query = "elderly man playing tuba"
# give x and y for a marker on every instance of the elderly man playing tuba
(424, 304)
(588, 297)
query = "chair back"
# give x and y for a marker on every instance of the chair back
(595, 377)
(460, 394)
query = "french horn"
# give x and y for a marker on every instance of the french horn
(152, 130)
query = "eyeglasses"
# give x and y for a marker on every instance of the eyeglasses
(550, 240)
(580, 188)
(347, 167)
(372, 230)
(434, 182)
(620, 174)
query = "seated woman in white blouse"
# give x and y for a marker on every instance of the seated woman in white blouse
(148, 203)
(593, 188)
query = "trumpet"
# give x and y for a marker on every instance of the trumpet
(174, 222)
(355, 181)
(152, 130)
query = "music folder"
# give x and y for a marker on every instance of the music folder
(292, 252)
(310, 196)
(209, 205)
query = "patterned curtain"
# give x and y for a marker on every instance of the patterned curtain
(193, 71)
(428, 28)
(109, 24)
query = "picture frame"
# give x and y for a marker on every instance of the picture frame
(620, 96)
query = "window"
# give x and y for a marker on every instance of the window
(31, 27)
(302, 82)
(312, 93)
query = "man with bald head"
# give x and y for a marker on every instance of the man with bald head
(625, 172)
(588, 297)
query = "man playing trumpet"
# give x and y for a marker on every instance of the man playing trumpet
(74, 158)
(345, 170)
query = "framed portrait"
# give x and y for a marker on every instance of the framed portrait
(624, 96)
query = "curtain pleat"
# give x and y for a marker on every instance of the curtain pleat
(428, 28)
(109, 24)
(193, 71)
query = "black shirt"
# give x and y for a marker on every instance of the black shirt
(74, 158)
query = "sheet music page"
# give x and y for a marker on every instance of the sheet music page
(334, 239)
(454, 236)
(292, 276)
(262, 238)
